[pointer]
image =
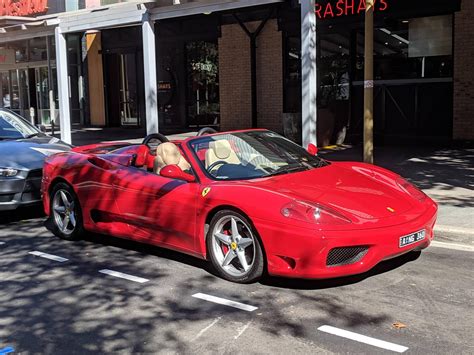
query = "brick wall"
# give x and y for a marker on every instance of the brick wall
(463, 120)
(235, 80)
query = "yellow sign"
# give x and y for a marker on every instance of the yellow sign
(206, 191)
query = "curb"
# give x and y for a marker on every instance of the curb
(452, 234)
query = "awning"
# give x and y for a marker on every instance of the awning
(204, 7)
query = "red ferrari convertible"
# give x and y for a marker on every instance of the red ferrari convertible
(248, 201)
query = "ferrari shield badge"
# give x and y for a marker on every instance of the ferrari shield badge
(390, 209)
(206, 191)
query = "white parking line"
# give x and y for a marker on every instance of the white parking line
(206, 329)
(48, 256)
(225, 302)
(242, 330)
(121, 275)
(363, 339)
(452, 246)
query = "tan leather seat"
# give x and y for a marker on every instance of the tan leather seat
(169, 154)
(221, 150)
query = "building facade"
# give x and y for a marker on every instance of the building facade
(296, 68)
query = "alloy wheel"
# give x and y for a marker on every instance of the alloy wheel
(64, 212)
(233, 245)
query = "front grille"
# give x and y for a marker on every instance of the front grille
(346, 256)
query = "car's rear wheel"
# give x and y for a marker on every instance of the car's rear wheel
(233, 247)
(66, 213)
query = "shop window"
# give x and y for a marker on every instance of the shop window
(292, 74)
(410, 49)
(203, 107)
(37, 49)
(21, 50)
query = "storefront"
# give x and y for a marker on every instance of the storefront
(239, 64)
(414, 67)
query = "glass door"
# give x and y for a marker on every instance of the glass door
(19, 100)
(42, 95)
(203, 105)
(5, 98)
(128, 90)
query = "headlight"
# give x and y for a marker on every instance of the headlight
(8, 172)
(411, 189)
(313, 213)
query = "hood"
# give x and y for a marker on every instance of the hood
(343, 188)
(29, 154)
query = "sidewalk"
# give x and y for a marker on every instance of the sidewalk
(445, 174)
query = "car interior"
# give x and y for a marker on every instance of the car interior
(153, 160)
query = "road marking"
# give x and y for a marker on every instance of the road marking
(242, 330)
(223, 301)
(206, 329)
(48, 256)
(121, 275)
(452, 246)
(363, 339)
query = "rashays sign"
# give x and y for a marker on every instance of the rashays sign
(22, 7)
(339, 8)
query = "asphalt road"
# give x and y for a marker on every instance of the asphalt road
(67, 306)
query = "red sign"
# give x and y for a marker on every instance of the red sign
(22, 7)
(339, 8)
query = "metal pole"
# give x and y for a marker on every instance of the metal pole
(63, 87)
(253, 74)
(369, 84)
(151, 85)
(309, 86)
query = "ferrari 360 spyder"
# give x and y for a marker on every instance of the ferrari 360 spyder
(251, 202)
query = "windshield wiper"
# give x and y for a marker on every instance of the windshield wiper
(32, 135)
(288, 169)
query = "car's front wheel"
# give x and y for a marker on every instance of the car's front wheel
(66, 212)
(233, 247)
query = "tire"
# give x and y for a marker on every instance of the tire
(70, 228)
(229, 251)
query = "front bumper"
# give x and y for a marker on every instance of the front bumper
(21, 190)
(303, 253)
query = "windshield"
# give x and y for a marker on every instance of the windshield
(249, 155)
(14, 127)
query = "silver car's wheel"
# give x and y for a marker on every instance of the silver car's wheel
(65, 212)
(234, 248)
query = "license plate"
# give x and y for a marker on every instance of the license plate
(412, 238)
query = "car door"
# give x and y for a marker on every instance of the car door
(158, 210)
(93, 183)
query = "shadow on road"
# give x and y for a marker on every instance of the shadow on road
(21, 214)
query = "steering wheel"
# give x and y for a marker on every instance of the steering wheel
(216, 163)
(154, 140)
(206, 130)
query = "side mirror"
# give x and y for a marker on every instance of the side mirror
(175, 172)
(42, 128)
(312, 149)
